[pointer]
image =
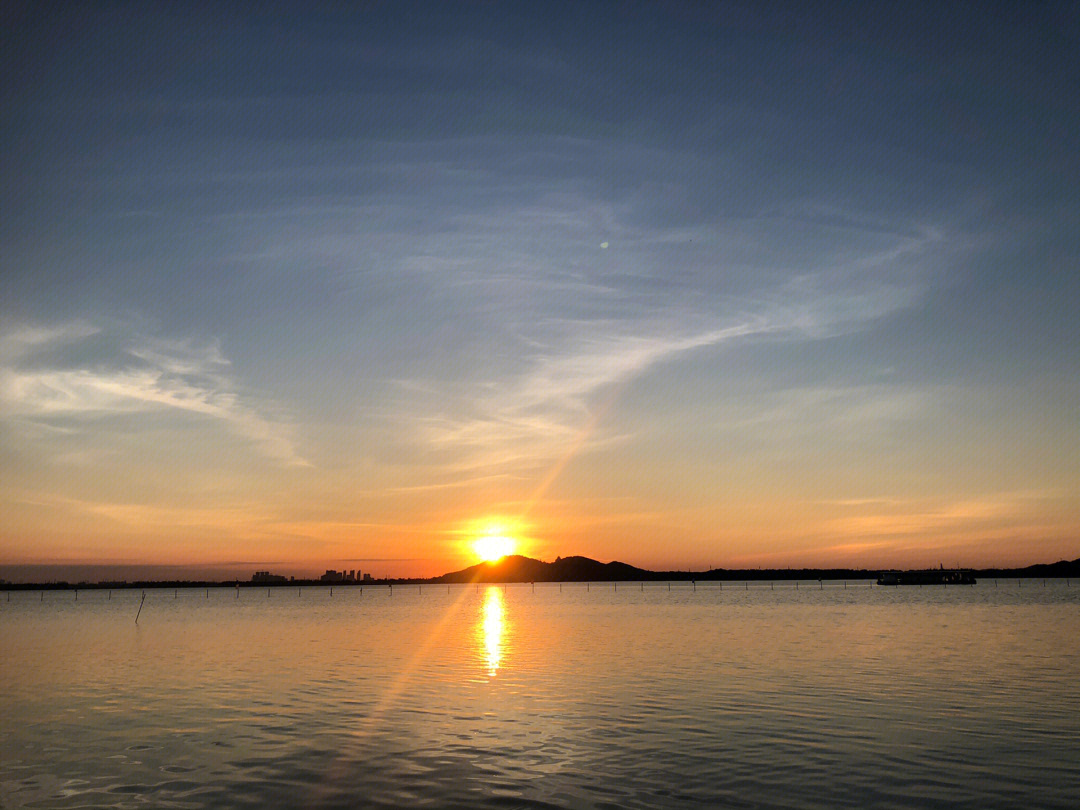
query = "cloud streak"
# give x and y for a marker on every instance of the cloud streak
(534, 417)
(40, 382)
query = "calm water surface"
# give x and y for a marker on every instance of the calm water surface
(479, 697)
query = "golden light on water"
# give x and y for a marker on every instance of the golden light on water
(492, 627)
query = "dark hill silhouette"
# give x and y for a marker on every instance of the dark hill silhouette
(1062, 568)
(516, 568)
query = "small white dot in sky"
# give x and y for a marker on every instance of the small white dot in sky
(603, 245)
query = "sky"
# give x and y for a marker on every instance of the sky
(294, 287)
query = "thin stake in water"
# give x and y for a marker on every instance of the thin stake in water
(140, 607)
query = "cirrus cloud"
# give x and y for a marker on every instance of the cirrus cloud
(76, 371)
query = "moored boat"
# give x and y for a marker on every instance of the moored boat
(929, 576)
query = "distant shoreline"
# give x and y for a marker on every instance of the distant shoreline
(574, 570)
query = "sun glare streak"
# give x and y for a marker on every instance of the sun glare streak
(582, 437)
(492, 627)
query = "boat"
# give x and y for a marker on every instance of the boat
(929, 576)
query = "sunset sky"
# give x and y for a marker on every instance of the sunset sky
(682, 286)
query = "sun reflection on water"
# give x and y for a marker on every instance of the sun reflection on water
(492, 626)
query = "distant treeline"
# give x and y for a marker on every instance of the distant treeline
(583, 569)
(571, 569)
(180, 583)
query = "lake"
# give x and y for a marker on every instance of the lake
(741, 696)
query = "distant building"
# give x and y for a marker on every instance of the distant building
(266, 578)
(367, 577)
(341, 576)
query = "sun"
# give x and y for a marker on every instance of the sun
(493, 547)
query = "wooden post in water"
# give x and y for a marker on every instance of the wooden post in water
(796, 584)
(694, 583)
(76, 594)
(140, 607)
(616, 586)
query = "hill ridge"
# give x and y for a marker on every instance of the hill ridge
(577, 568)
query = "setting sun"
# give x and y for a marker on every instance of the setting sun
(493, 547)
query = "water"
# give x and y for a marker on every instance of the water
(594, 698)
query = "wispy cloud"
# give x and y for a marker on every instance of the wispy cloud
(539, 414)
(932, 520)
(554, 323)
(233, 520)
(44, 381)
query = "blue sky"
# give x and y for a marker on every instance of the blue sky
(674, 284)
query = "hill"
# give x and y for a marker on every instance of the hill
(517, 568)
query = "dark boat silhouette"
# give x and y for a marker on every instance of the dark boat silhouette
(929, 576)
